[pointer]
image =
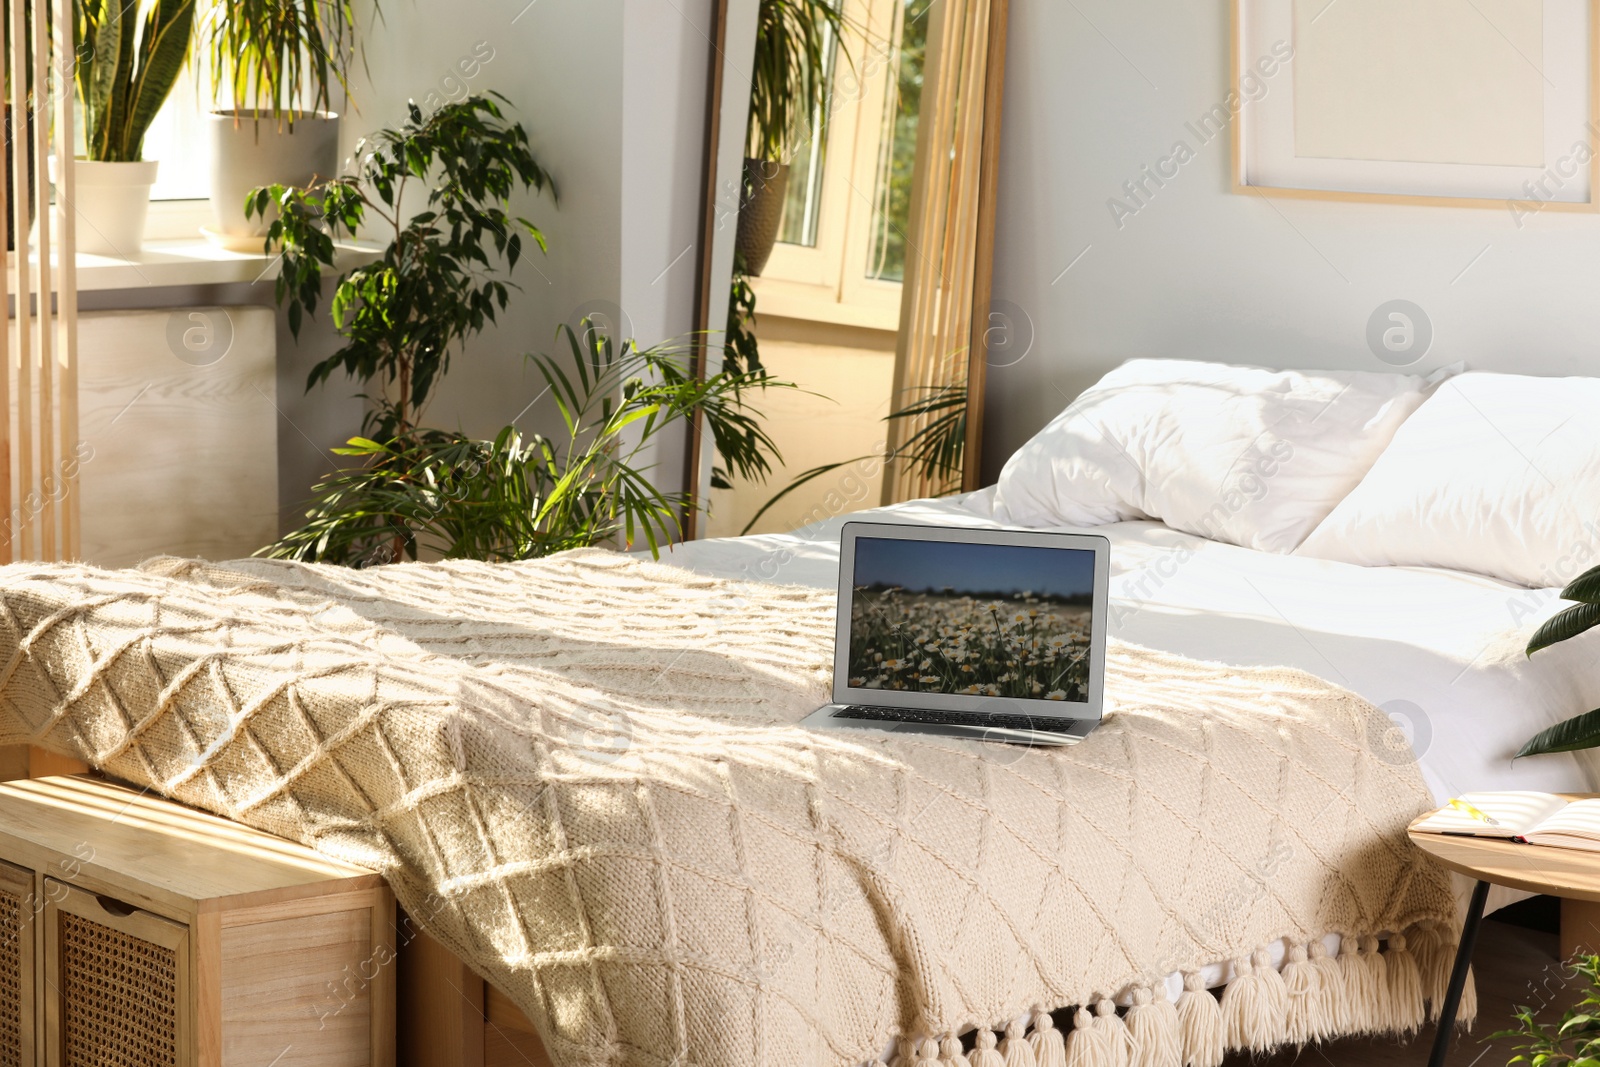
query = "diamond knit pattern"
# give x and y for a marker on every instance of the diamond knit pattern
(582, 775)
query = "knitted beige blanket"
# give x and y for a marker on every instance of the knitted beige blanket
(581, 775)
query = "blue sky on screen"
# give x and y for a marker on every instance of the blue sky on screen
(921, 566)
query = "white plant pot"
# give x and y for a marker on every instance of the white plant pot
(111, 201)
(248, 152)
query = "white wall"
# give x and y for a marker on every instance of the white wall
(559, 63)
(1098, 88)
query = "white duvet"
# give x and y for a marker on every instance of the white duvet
(1439, 650)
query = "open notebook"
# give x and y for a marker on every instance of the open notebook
(1537, 818)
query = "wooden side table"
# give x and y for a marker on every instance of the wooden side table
(136, 930)
(1571, 874)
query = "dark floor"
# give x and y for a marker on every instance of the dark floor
(1513, 965)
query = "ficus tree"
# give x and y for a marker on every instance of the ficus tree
(441, 277)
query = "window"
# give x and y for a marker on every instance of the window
(179, 140)
(803, 204)
(177, 137)
(897, 143)
(841, 244)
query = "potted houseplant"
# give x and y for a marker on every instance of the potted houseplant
(442, 277)
(1580, 731)
(125, 71)
(788, 84)
(280, 61)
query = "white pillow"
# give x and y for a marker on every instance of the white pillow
(1246, 455)
(1496, 473)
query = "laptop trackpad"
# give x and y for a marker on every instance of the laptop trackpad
(827, 718)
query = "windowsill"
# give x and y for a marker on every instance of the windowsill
(791, 299)
(192, 261)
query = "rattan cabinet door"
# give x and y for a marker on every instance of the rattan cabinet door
(18, 950)
(116, 983)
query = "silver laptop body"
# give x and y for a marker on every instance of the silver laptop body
(998, 635)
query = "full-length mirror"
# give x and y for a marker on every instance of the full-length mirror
(850, 233)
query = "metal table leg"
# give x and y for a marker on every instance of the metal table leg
(1458, 976)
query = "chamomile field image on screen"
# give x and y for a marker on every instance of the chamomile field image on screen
(984, 620)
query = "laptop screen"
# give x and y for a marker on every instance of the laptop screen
(1012, 621)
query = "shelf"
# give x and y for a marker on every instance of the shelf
(189, 262)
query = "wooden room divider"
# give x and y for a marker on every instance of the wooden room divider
(38, 287)
(39, 392)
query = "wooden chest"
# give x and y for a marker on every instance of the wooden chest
(137, 931)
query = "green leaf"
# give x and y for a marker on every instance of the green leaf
(799, 480)
(1578, 732)
(107, 57)
(1564, 625)
(126, 70)
(1585, 587)
(361, 446)
(163, 50)
(789, 70)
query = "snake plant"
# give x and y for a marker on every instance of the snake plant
(126, 67)
(1580, 731)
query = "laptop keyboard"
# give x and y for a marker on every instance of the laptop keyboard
(978, 720)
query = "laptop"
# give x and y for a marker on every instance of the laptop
(997, 635)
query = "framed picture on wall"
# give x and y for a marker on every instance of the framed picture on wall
(1468, 103)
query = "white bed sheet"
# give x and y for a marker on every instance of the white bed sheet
(1440, 651)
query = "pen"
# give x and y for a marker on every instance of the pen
(1467, 809)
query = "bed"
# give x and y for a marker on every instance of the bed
(1448, 668)
(490, 737)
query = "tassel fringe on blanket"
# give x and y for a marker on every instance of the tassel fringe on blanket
(1388, 987)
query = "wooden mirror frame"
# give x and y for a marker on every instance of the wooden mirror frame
(727, 115)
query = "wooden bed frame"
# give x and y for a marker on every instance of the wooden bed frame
(449, 1017)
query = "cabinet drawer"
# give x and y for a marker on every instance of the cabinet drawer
(18, 948)
(117, 984)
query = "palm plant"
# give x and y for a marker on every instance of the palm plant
(270, 51)
(126, 69)
(937, 447)
(739, 346)
(523, 496)
(1581, 731)
(789, 84)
